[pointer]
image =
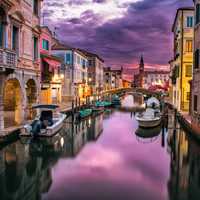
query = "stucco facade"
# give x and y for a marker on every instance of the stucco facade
(76, 65)
(19, 60)
(195, 105)
(181, 65)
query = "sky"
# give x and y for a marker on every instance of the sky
(117, 30)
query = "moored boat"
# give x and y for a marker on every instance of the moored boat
(46, 124)
(149, 118)
(103, 104)
(84, 113)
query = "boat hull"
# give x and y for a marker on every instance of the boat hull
(149, 123)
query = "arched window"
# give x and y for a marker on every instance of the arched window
(2, 27)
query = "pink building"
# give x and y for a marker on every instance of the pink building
(51, 78)
(19, 60)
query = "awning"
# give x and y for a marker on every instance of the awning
(53, 64)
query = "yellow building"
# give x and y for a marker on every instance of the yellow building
(181, 65)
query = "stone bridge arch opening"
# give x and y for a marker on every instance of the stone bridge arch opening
(31, 95)
(12, 101)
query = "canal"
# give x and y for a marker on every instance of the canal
(105, 157)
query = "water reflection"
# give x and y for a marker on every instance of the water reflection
(184, 183)
(135, 100)
(26, 166)
(101, 158)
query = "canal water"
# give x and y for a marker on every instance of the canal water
(103, 158)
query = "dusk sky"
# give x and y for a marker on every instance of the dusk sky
(118, 30)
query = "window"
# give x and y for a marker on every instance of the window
(196, 59)
(45, 44)
(189, 21)
(188, 46)
(90, 63)
(35, 7)
(1, 34)
(83, 63)
(15, 39)
(195, 102)
(188, 96)
(2, 27)
(197, 13)
(68, 59)
(35, 48)
(188, 70)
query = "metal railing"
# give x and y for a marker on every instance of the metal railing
(8, 58)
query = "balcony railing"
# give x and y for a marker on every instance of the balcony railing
(8, 59)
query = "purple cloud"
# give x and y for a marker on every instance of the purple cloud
(145, 28)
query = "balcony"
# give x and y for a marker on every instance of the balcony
(8, 60)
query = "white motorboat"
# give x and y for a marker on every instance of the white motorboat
(153, 103)
(46, 124)
(150, 118)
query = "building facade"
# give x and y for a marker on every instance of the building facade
(95, 73)
(156, 78)
(19, 60)
(112, 78)
(195, 103)
(51, 76)
(77, 64)
(181, 64)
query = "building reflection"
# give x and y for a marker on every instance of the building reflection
(25, 166)
(184, 183)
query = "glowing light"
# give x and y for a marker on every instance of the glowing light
(62, 142)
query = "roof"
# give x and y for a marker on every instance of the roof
(89, 54)
(109, 69)
(178, 10)
(61, 46)
(47, 28)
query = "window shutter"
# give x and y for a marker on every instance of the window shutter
(197, 59)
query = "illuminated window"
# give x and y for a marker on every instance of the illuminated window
(188, 96)
(188, 70)
(188, 46)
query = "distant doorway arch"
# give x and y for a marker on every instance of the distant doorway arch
(12, 101)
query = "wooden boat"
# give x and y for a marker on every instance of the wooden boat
(46, 124)
(84, 113)
(149, 118)
(103, 104)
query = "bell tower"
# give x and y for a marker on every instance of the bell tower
(141, 67)
(141, 72)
